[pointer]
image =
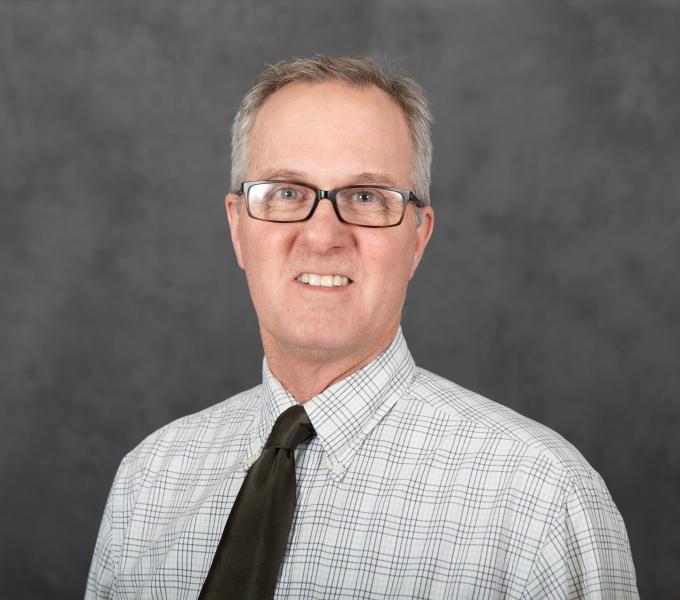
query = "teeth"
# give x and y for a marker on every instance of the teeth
(323, 280)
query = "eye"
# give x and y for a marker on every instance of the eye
(364, 196)
(288, 194)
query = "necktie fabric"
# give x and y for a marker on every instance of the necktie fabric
(246, 563)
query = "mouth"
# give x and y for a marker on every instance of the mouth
(316, 280)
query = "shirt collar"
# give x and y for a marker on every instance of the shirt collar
(344, 413)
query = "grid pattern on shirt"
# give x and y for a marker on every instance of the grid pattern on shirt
(412, 488)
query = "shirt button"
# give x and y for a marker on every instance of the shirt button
(338, 468)
(249, 462)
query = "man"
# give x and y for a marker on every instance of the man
(398, 484)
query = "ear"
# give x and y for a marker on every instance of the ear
(232, 202)
(423, 234)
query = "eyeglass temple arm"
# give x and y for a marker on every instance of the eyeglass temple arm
(417, 201)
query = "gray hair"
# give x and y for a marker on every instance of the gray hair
(359, 71)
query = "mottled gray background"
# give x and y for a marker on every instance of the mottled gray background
(551, 284)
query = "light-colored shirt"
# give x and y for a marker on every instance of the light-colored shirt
(413, 487)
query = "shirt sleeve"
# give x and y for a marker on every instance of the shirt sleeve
(586, 554)
(107, 551)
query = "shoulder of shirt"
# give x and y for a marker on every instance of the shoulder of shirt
(216, 421)
(452, 401)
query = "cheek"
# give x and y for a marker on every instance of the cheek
(257, 266)
(262, 248)
(390, 266)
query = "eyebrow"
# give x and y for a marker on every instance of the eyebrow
(283, 174)
(365, 177)
(378, 178)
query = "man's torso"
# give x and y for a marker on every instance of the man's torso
(434, 492)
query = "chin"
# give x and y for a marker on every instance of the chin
(317, 338)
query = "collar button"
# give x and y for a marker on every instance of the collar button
(337, 468)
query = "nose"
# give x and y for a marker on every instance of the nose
(324, 230)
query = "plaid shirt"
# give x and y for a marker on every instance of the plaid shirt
(413, 487)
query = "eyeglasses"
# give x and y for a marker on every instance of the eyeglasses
(291, 202)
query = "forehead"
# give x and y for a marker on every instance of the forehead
(331, 129)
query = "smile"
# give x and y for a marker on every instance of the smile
(323, 280)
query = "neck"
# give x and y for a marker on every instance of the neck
(306, 372)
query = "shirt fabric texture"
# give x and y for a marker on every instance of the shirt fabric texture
(413, 487)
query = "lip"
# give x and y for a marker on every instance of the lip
(324, 274)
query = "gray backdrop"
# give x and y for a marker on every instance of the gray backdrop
(551, 284)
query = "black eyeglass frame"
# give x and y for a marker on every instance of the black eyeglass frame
(406, 196)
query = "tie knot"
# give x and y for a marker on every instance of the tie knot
(291, 428)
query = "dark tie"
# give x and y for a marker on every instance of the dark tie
(248, 557)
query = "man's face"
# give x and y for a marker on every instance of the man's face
(329, 135)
